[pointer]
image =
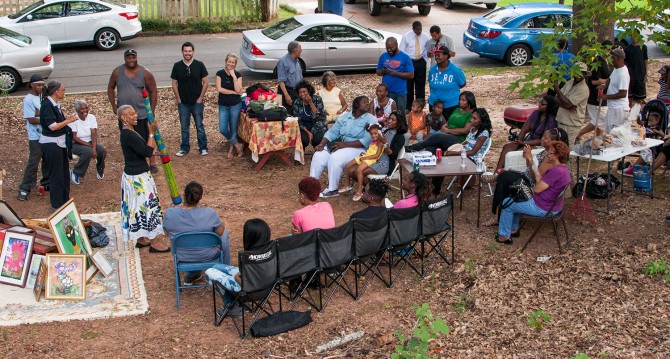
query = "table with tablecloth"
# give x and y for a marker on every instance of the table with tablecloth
(271, 138)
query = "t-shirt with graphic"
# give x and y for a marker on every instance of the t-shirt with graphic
(399, 62)
(445, 85)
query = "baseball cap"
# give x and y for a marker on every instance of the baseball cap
(130, 52)
(440, 48)
(664, 70)
(618, 52)
(582, 66)
(36, 79)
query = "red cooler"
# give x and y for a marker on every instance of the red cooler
(516, 115)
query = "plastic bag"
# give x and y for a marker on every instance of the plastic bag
(597, 186)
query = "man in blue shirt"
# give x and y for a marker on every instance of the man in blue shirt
(346, 139)
(289, 73)
(31, 113)
(396, 68)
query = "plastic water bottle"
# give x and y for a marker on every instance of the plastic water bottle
(464, 155)
(481, 167)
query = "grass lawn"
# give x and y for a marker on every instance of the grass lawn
(620, 5)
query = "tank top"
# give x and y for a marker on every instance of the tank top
(331, 100)
(387, 109)
(129, 91)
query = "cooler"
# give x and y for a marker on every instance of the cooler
(516, 115)
(333, 7)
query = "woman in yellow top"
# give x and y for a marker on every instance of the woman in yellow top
(365, 160)
(333, 99)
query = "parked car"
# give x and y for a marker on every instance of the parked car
(77, 22)
(329, 42)
(375, 6)
(663, 26)
(21, 57)
(490, 4)
(512, 33)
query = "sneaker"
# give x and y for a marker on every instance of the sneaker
(101, 175)
(234, 312)
(23, 196)
(74, 177)
(628, 172)
(329, 194)
(204, 152)
(190, 281)
(153, 169)
(180, 153)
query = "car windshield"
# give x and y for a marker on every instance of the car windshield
(501, 16)
(26, 10)
(360, 27)
(281, 28)
(14, 37)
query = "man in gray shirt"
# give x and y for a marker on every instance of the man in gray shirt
(438, 38)
(289, 73)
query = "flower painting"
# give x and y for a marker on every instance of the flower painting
(65, 277)
(15, 259)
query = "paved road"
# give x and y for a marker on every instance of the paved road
(85, 69)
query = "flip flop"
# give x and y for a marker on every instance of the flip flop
(508, 241)
(345, 189)
(357, 197)
(490, 223)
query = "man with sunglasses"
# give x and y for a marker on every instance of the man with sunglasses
(189, 85)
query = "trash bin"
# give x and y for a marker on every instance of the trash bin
(333, 7)
(319, 7)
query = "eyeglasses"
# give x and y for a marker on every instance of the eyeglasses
(188, 71)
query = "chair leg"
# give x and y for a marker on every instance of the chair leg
(532, 236)
(452, 182)
(554, 225)
(178, 287)
(463, 186)
(567, 236)
(490, 189)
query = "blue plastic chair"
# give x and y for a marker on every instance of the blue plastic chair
(193, 240)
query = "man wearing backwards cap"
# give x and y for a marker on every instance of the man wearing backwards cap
(617, 91)
(571, 100)
(31, 113)
(129, 79)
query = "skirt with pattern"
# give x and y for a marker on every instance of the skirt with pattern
(141, 214)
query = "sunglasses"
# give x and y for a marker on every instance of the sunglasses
(188, 71)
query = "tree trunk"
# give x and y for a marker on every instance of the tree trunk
(601, 23)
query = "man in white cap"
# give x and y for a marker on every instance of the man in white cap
(617, 91)
(31, 113)
(571, 100)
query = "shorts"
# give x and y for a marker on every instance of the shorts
(592, 111)
(615, 117)
(666, 151)
(637, 89)
(572, 131)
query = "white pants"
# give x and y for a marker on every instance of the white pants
(616, 117)
(335, 162)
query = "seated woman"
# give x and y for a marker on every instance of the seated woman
(546, 191)
(532, 130)
(308, 108)
(507, 177)
(314, 214)
(190, 217)
(383, 101)
(417, 187)
(86, 145)
(458, 123)
(255, 235)
(333, 99)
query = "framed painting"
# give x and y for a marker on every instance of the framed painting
(70, 235)
(35, 263)
(17, 250)
(65, 277)
(102, 263)
(39, 280)
(8, 216)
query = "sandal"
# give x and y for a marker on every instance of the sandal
(357, 197)
(507, 241)
(490, 223)
(345, 189)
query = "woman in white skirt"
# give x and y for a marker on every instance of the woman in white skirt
(141, 217)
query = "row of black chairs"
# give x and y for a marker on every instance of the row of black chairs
(311, 266)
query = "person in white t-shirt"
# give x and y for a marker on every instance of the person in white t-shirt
(86, 145)
(617, 91)
(31, 113)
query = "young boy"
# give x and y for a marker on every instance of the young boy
(31, 113)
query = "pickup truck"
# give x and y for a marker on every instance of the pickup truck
(375, 6)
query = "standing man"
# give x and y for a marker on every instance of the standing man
(595, 107)
(636, 62)
(414, 44)
(31, 113)
(571, 100)
(189, 85)
(396, 68)
(129, 80)
(617, 91)
(289, 73)
(437, 38)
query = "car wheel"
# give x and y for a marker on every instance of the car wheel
(107, 39)
(374, 8)
(9, 80)
(491, 5)
(518, 55)
(350, 1)
(424, 10)
(448, 4)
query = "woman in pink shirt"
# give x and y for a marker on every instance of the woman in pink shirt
(314, 214)
(418, 190)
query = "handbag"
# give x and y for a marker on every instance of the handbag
(280, 322)
(520, 191)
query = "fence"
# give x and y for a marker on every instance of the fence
(182, 10)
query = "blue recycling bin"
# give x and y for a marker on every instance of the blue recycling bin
(333, 7)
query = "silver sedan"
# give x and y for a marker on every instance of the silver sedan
(329, 42)
(21, 57)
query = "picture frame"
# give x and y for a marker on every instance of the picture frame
(39, 280)
(8, 216)
(70, 235)
(102, 263)
(35, 263)
(65, 277)
(17, 251)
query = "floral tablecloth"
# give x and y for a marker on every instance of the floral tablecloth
(264, 137)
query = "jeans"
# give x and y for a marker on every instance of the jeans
(400, 99)
(30, 173)
(85, 154)
(58, 167)
(509, 217)
(229, 117)
(185, 112)
(224, 274)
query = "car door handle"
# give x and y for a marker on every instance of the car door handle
(332, 48)
(533, 32)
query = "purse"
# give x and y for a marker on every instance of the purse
(521, 191)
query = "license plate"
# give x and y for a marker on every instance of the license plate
(468, 43)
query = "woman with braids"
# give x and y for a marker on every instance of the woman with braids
(532, 130)
(314, 214)
(308, 108)
(417, 187)
(193, 217)
(56, 143)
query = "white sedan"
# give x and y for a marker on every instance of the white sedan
(77, 22)
(21, 57)
(329, 42)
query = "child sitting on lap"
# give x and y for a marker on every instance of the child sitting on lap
(435, 120)
(365, 160)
